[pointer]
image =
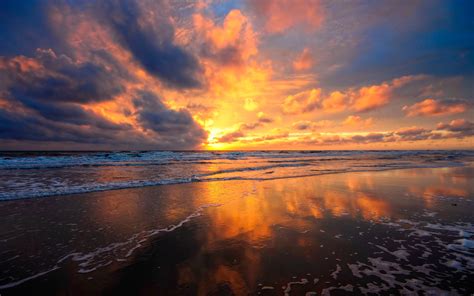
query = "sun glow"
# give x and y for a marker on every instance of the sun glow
(213, 143)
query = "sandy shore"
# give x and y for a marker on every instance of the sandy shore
(399, 231)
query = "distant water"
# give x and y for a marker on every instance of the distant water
(40, 174)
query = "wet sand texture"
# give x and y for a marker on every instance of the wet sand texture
(399, 231)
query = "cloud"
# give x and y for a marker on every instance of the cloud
(51, 98)
(241, 131)
(90, 129)
(25, 26)
(276, 135)
(200, 108)
(413, 133)
(336, 101)
(355, 120)
(303, 61)
(230, 44)
(146, 30)
(455, 129)
(116, 72)
(48, 95)
(77, 88)
(250, 126)
(459, 127)
(370, 138)
(264, 118)
(363, 99)
(170, 128)
(231, 137)
(312, 125)
(280, 15)
(350, 121)
(369, 98)
(52, 78)
(228, 50)
(302, 102)
(433, 107)
(372, 97)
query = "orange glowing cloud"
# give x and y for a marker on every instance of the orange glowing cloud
(372, 97)
(336, 102)
(233, 42)
(355, 120)
(432, 107)
(302, 102)
(363, 99)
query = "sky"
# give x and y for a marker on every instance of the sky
(251, 74)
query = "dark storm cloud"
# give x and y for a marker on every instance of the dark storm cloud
(27, 25)
(171, 128)
(150, 38)
(18, 126)
(50, 94)
(72, 114)
(59, 79)
(24, 27)
(228, 56)
(45, 93)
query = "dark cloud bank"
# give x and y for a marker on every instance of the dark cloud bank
(46, 91)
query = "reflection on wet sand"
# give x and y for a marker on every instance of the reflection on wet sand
(316, 234)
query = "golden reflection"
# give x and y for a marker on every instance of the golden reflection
(256, 214)
(372, 208)
(254, 217)
(338, 204)
(431, 193)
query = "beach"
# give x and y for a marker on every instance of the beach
(243, 147)
(400, 231)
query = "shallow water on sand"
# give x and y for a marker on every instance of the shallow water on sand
(398, 231)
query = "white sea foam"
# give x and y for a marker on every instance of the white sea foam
(336, 272)
(347, 288)
(114, 252)
(287, 287)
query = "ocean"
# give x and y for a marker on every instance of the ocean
(237, 223)
(42, 174)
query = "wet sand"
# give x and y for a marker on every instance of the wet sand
(399, 231)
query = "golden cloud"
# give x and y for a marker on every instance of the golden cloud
(432, 107)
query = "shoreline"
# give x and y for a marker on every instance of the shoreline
(112, 231)
(197, 180)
